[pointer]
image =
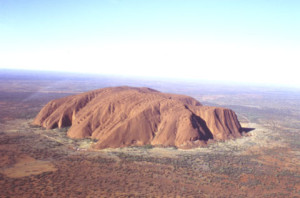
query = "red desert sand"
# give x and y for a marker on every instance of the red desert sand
(129, 116)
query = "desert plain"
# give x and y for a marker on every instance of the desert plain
(38, 162)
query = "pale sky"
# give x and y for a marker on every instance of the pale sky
(247, 41)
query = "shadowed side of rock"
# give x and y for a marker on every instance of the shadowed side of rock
(222, 122)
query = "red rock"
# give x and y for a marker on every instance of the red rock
(126, 116)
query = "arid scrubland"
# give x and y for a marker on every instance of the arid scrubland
(35, 162)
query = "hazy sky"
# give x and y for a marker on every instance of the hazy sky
(234, 40)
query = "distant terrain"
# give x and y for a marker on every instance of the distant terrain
(36, 162)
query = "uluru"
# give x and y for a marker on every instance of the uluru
(131, 116)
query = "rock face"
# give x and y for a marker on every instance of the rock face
(125, 116)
